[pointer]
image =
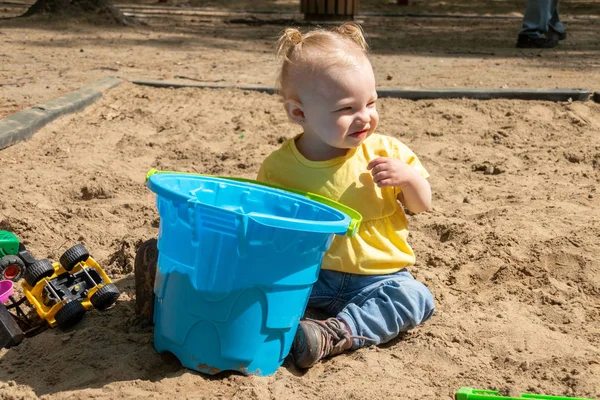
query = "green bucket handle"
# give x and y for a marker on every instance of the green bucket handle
(355, 216)
(467, 393)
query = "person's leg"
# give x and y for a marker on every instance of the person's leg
(368, 310)
(325, 294)
(555, 25)
(385, 308)
(536, 23)
(536, 18)
(316, 339)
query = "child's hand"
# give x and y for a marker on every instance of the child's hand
(388, 171)
(416, 192)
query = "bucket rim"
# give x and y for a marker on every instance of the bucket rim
(350, 221)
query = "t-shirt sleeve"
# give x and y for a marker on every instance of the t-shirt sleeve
(265, 173)
(402, 152)
(262, 173)
(271, 167)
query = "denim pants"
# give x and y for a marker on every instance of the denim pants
(540, 17)
(377, 307)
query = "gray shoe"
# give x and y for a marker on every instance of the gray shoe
(144, 269)
(316, 340)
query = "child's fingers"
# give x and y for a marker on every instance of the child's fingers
(375, 162)
(384, 182)
(383, 165)
(380, 176)
(379, 168)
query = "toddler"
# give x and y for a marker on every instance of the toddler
(328, 89)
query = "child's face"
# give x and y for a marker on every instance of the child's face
(339, 106)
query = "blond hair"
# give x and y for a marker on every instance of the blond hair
(317, 50)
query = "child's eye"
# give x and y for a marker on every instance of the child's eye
(344, 109)
(371, 104)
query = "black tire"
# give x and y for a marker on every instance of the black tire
(37, 271)
(11, 268)
(74, 256)
(105, 297)
(70, 314)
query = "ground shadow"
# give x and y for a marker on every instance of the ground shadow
(367, 7)
(104, 347)
(473, 38)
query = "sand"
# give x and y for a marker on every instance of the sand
(510, 249)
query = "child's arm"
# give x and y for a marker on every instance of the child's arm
(416, 192)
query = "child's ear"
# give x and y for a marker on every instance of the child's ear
(294, 111)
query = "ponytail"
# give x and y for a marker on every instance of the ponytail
(290, 38)
(354, 32)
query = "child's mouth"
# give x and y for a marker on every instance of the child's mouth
(360, 134)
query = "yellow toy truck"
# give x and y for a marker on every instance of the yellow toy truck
(62, 292)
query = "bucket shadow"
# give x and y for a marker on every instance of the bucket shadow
(104, 347)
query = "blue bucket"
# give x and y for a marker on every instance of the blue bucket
(236, 265)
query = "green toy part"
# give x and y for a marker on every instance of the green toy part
(9, 244)
(353, 214)
(467, 393)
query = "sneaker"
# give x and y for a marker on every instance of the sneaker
(316, 340)
(144, 269)
(528, 42)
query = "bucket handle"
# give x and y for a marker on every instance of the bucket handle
(355, 217)
(297, 224)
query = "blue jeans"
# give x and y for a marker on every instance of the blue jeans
(377, 307)
(540, 17)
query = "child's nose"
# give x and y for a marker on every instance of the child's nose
(364, 116)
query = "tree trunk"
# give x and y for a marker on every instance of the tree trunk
(97, 10)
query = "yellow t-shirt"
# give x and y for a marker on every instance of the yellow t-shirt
(380, 245)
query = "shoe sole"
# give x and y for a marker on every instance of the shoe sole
(304, 355)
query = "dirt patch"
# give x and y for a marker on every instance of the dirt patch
(510, 249)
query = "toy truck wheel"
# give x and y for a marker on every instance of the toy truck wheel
(11, 268)
(70, 314)
(38, 271)
(74, 256)
(105, 297)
